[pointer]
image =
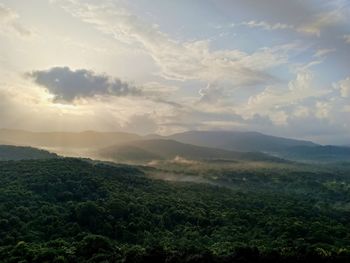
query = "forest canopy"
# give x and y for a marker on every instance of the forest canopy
(71, 210)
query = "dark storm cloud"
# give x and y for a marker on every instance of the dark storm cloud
(67, 85)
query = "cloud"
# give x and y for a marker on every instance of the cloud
(211, 94)
(313, 26)
(266, 25)
(347, 38)
(344, 87)
(273, 101)
(323, 110)
(67, 85)
(9, 23)
(321, 53)
(322, 21)
(191, 60)
(301, 112)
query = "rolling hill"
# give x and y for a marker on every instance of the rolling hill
(8, 152)
(160, 149)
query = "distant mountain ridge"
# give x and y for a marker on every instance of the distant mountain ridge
(228, 140)
(82, 144)
(159, 149)
(238, 141)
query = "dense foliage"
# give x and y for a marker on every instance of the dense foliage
(9, 152)
(70, 210)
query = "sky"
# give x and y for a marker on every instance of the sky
(280, 67)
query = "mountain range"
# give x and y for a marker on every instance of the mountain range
(161, 149)
(238, 141)
(193, 145)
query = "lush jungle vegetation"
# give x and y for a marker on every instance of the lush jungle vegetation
(72, 210)
(9, 152)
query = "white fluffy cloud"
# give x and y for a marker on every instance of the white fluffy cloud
(274, 98)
